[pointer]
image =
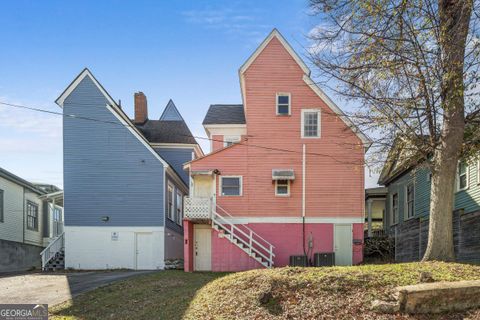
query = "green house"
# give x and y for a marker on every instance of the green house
(408, 206)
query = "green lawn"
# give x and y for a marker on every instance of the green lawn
(283, 293)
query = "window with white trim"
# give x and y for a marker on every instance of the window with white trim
(462, 176)
(32, 216)
(282, 188)
(283, 104)
(310, 123)
(478, 171)
(170, 203)
(1, 205)
(410, 200)
(394, 208)
(179, 215)
(229, 140)
(231, 186)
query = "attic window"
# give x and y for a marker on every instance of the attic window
(283, 104)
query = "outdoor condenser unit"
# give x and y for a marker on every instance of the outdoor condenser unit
(298, 261)
(324, 259)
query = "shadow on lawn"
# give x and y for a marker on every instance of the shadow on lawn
(159, 295)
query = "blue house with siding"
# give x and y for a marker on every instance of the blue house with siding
(408, 181)
(123, 180)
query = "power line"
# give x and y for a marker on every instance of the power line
(196, 137)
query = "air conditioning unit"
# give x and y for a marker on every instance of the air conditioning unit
(298, 261)
(324, 259)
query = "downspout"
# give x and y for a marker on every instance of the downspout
(303, 199)
(23, 215)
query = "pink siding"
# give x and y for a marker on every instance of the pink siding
(357, 248)
(334, 181)
(217, 142)
(188, 245)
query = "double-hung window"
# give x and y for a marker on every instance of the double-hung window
(283, 104)
(410, 200)
(282, 188)
(394, 208)
(462, 176)
(32, 216)
(2, 210)
(170, 200)
(478, 171)
(179, 208)
(231, 186)
(310, 123)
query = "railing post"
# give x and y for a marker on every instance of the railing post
(250, 241)
(271, 255)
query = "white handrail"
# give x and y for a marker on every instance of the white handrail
(248, 236)
(228, 214)
(53, 247)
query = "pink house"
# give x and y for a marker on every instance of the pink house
(285, 176)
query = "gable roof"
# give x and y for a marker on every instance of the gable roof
(166, 131)
(171, 112)
(225, 114)
(112, 107)
(306, 78)
(20, 181)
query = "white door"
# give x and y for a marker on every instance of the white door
(144, 251)
(203, 186)
(343, 244)
(203, 247)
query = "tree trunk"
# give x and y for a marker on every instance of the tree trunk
(454, 23)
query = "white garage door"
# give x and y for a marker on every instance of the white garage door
(144, 251)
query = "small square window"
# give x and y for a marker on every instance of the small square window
(229, 140)
(283, 104)
(282, 187)
(231, 186)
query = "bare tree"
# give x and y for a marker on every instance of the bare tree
(413, 68)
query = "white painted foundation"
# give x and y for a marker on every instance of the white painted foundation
(94, 248)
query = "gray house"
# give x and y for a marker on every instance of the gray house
(123, 180)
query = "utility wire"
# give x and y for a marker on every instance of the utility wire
(196, 137)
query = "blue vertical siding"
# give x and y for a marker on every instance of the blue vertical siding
(107, 170)
(171, 113)
(176, 157)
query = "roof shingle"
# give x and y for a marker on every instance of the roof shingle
(225, 114)
(166, 131)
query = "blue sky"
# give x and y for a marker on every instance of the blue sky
(189, 51)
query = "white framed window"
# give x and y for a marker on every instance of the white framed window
(409, 200)
(170, 204)
(179, 209)
(229, 140)
(310, 123)
(282, 188)
(32, 216)
(462, 176)
(478, 171)
(231, 185)
(283, 104)
(394, 209)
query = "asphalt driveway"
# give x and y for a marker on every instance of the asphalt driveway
(54, 288)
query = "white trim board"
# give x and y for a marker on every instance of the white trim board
(334, 220)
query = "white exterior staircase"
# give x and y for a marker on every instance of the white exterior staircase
(243, 237)
(53, 256)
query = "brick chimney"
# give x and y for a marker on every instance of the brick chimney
(141, 110)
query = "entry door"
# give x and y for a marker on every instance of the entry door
(203, 248)
(203, 186)
(343, 244)
(144, 251)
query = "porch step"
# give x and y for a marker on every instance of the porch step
(56, 263)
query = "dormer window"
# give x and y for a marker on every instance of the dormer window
(283, 104)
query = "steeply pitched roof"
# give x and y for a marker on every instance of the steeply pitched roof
(171, 112)
(225, 114)
(160, 131)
